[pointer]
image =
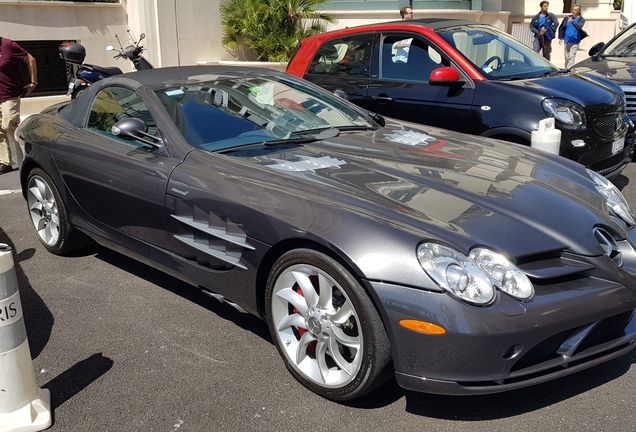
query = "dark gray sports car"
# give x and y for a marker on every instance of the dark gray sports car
(373, 248)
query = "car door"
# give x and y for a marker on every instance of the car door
(399, 84)
(344, 63)
(118, 183)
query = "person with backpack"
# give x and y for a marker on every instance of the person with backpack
(544, 26)
(571, 32)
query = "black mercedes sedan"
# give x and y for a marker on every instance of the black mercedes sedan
(372, 248)
(616, 61)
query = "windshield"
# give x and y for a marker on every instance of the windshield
(231, 112)
(623, 46)
(498, 55)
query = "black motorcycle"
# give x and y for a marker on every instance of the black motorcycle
(87, 74)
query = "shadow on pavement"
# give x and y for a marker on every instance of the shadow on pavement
(39, 324)
(513, 403)
(78, 377)
(183, 289)
(500, 405)
(620, 181)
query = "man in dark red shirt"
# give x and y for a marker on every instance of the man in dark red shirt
(12, 86)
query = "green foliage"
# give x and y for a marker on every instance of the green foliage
(618, 4)
(272, 28)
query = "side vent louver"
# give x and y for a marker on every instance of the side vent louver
(223, 240)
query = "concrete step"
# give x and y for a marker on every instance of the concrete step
(33, 105)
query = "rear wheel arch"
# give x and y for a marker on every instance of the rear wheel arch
(25, 170)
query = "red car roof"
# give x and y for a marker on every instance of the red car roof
(300, 60)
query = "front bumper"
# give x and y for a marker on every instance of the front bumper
(597, 153)
(569, 326)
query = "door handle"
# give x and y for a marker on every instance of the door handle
(383, 98)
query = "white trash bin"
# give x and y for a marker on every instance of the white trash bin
(547, 138)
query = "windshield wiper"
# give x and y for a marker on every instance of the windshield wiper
(556, 72)
(324, 134)
(357, 128)
(512, 78)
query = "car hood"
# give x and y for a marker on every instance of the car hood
(622, 70)
(585, 91)
(428, 183)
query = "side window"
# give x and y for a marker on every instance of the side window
(115, 103)
(408, 58)
(347, 56)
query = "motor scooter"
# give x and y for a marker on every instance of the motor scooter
(87, 74)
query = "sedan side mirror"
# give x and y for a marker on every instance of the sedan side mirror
(596, 49)
(378, 118)
(445, 76)
(136, 130)
(341, 94)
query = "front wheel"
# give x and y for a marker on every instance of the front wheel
(325, 326)
(49, 217)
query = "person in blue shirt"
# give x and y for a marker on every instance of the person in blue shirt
(571, 32)
(544, 25)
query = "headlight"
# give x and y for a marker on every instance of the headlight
(614, 198)
(504, 275)
(569, 114)
(473, 278)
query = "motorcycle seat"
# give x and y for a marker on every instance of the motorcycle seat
(107, 71)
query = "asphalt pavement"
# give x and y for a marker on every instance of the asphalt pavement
(124, 347)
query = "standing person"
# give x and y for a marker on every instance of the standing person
(544, 26)
(571, 31)
(406, 13)
(12, 86)
(401, 48)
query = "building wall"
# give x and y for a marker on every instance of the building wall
(183, 32)
(92, 24)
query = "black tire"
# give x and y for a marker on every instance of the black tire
(49, 216)
(325, 326)
(78, 91)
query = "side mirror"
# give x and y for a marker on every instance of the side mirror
(341, 94)
(377, 118)
(596, 49)
(141, 36)
(134, 129)
(445, 76)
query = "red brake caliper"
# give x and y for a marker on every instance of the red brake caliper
(301, 331)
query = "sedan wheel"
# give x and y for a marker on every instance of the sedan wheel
(325, 326)
(48, 215)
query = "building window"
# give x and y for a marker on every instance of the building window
(52, 76)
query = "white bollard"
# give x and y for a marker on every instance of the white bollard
(23, 405)
(547, 138)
